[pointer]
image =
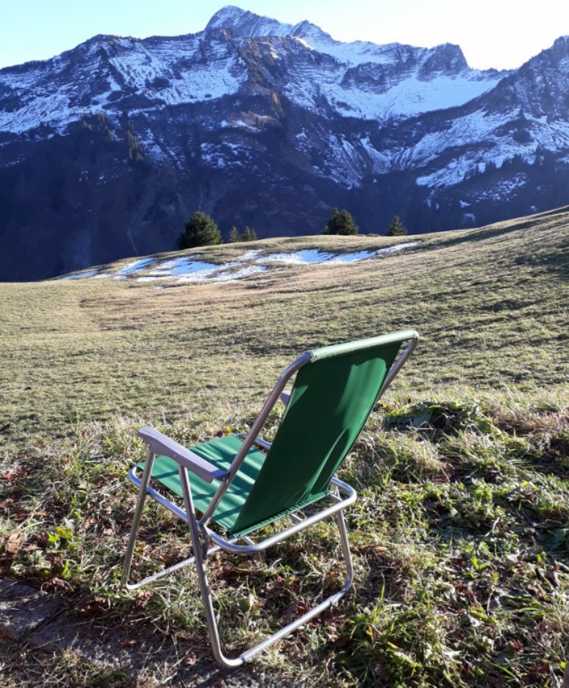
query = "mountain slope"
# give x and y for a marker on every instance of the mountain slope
(106, 149)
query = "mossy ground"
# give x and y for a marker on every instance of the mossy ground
(460, 533)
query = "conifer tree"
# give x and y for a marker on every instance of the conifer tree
(396, 227)
(249, 234)
(234, 235)
(341, 222)
(199, 230)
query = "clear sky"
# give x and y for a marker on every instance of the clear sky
(492, 33)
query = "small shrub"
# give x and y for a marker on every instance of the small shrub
(249, 234)
(341, 222)
(396, 227)
(199, 230)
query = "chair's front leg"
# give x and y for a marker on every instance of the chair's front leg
(207, 597)
(202, 575)
(137, 516)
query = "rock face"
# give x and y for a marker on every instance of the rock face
(107, 148)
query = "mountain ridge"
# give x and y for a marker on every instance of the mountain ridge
(106, 148)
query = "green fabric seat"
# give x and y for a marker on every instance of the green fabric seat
(331, 400)
(221, 453)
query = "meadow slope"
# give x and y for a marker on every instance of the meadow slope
(461, 530)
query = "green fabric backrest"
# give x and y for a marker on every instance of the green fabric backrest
(331, 400)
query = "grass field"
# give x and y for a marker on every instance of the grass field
(461, 532)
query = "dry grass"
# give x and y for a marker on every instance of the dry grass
(490, 305)
(460, 532)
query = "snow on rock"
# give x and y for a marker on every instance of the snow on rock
(95, 77)
(363, 103)
(477, 141)
(357, 79)
(406, 98)
(363, 79)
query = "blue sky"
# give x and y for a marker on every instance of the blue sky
(492, 33)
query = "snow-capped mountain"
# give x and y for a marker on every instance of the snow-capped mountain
(105, 149)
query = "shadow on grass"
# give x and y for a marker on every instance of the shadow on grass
(49, 643)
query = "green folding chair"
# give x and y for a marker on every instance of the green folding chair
(241, 483)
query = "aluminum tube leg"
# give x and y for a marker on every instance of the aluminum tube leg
(137, 516)
(331, 601)
(202, 575)
(206, 591)
(346, 550)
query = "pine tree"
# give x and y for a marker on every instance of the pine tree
(249, 234)
(396, 227)
(199, 230)
(341, 222)
(234, 235)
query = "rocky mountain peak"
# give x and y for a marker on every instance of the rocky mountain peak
(247, 24)
(446, 58)
(539, 87)
(312, 33)
(562, 44)
(554, 57)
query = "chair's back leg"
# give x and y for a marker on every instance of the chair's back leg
(346, 550)
(137, 516)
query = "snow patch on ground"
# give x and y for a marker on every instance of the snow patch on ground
(298, 257)
(188, 269)
(181, 266)
(137, 265)
(250, 255)
(351, 257)
(397, 247)
(311, 256)
(245, 272)
(81, 275)
(222, 274)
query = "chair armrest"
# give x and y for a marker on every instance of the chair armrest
(285, 397)
(164, 446)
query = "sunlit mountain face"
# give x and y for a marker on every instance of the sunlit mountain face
(107, 148)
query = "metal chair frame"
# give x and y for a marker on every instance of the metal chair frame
(202, 536)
